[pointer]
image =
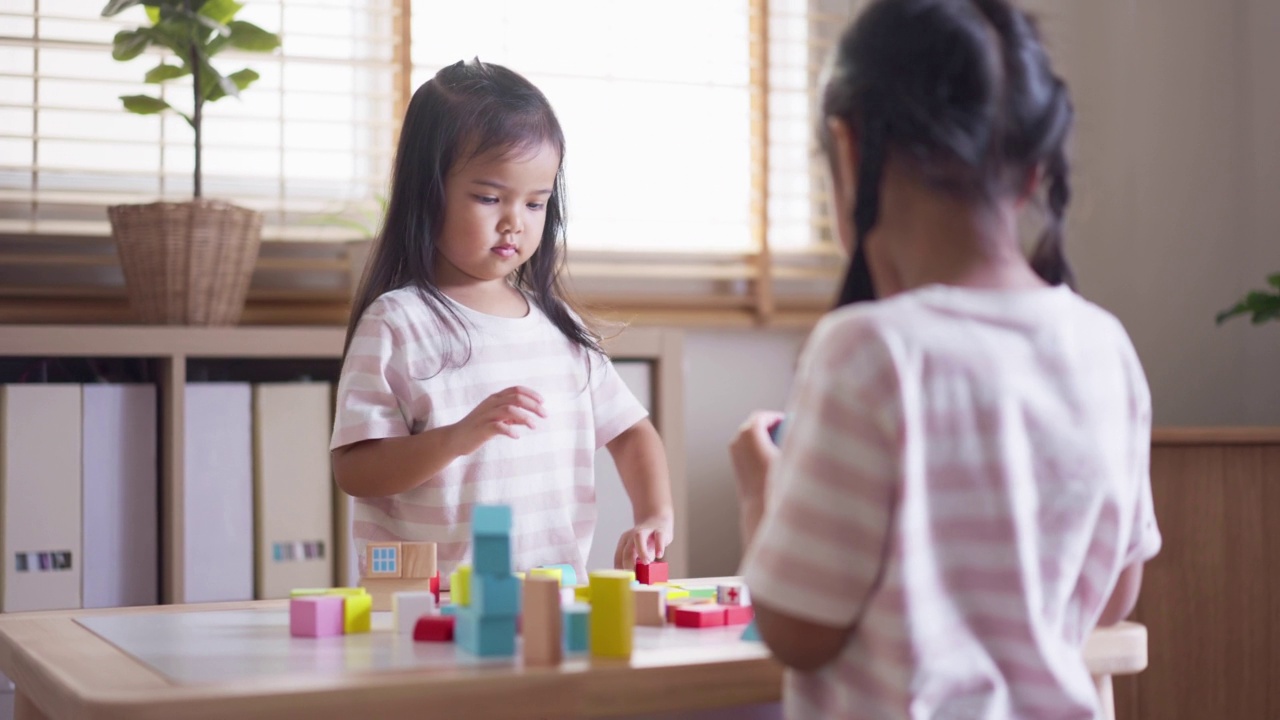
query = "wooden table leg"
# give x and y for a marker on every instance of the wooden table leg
(1106, 698)
(24, 709)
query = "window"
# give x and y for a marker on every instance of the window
(384, 560)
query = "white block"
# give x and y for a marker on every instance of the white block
(567, 596)
(732, 594)
(408, 607)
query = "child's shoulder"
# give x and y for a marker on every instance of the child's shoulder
(400, 308)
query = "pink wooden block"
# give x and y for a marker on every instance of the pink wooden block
(316, 616)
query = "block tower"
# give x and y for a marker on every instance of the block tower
(486, 625)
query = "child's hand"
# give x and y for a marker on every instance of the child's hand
(497, 414)
(645, 542)
(753, 452)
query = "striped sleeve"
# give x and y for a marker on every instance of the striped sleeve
(821, 543)
(614, 406)
(1145, 539)
(373, 390)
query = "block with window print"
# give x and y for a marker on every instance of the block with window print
(383, 560)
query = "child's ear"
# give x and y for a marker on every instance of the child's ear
(844, 164)
(1030, 185)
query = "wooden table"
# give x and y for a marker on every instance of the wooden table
(64, 670)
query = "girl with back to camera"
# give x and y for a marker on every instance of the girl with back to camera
(962, 493)
(467, 378)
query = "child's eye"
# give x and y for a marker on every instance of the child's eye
(486, 199)
(537, 206)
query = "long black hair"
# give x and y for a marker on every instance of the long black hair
(466, 110)
(963, 91)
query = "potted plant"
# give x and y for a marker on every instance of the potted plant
(1264, 305)
(188, 262)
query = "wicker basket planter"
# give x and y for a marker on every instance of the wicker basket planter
(186, 263)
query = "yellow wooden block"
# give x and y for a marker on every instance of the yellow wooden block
(674, 592)
(556, 573)
(357, 613)
(613, 613)
(460, 585)
(520, 575)
(582, 593)
(305, 592)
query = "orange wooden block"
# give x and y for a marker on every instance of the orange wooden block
(383, 560)
(419, 559)
(651, 605)
(540, 621)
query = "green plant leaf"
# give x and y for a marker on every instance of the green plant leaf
(213, 85)
(247, 36)
(153, 13)
(115, 7)
(129, 44)
(213, 25)
(144, 104)
(163, 72)
(1274, 281)
(221, 11)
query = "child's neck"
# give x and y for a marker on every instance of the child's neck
(496, 297)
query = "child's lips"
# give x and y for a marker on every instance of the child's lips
(505, 251)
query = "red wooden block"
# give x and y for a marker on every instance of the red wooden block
(654, 572)
(738, 614)
(700, 616)
(434, 628)
(434, 587)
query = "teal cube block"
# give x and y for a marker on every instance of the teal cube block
(577, 625)
(449, 609)
(491, 520)
(485, 636)
(495, 595)
(491, 555)
(751, 634)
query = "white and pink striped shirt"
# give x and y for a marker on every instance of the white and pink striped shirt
(396, 382)
(964, 475)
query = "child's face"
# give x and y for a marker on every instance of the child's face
(495, 210)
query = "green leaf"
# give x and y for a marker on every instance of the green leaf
(247, 36)
(214, 25)
(163, 72)
(144, 104)
(129, 44)
(117, 6)
(221, 11)
(1274, 281)
(153, 14)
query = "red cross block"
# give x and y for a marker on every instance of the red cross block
(651, 573)
(434, 628)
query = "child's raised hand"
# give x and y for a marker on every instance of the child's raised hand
(753, 452)
(497, 414)
(645, 542)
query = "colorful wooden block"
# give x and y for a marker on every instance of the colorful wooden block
(700, 615)
(419, 559)
(383, 560)
(434, 628)
(495, 595)
(613, 613)
(577, 627)
(549, 572)
(491, 555)
(450, 609)
(674, 592)
(357, 614)
(485, 636)
(568, 576)
(567, 595)
(541, 621)
(434, 586)
(582, 593)
(734, 593)
(491, 520)
(460, 585)
(383, 589)
(651, 605)
(706, 593)
(738, 614)
(752, 633)
(407, 607)
(682, 602)
(307, 592)
(316, 616)
(650, 573)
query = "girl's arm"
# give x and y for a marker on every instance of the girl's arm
(642, 463)
(377, 468)
(1124, 597)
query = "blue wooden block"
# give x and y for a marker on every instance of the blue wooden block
(491, 520)
(495, 595)
(751, 634)
(577, 625)
(449, 609)
(485, 636)
(491, 555)
(568, 576)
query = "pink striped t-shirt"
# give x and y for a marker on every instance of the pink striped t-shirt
(398, 380)
(964, 475)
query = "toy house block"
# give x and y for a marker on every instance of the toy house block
(485, 636)
(383, 590)
(491, 555)
(383, 560)
(732, 594)
(738, 614)
(495, 595)
(407, 607)
(752, 633)
(316, 616)
(541, 621)
(491, 521)
(651, 605)
(568, 576)
(357, 613)
(700, 616)
(577, 627)
(674, 592)
(613, 613)
(460, 586)
(434, 628)
(651, 573)
(419, 559)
